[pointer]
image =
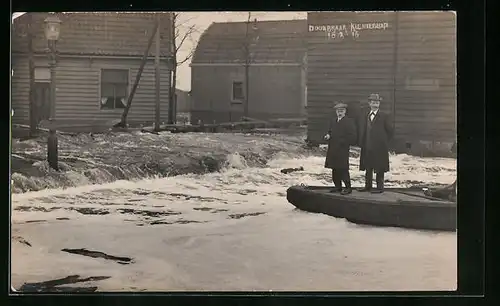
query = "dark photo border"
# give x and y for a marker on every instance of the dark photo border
(471, 160)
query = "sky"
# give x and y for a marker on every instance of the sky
(201, 20)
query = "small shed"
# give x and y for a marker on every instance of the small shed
(275, 54)
(409, 58)
(98, 57)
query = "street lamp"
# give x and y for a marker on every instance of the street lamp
(52, 31)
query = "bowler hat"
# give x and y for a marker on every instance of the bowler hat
(340, 105)
(374, 97)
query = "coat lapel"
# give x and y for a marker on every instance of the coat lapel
(375, 117)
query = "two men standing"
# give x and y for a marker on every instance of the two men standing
(374, 131)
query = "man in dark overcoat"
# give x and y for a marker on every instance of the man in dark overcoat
(341, 135)
(375, 131)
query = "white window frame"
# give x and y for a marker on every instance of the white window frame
(233, 99)
(42, 74)
(101, 69)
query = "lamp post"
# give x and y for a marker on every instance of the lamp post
(52, 31)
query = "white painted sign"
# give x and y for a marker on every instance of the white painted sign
(340, 31)
(42, 74)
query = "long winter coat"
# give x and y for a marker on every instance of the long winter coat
(381, 133)
(342, 136)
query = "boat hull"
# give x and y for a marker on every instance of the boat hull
(396, 207)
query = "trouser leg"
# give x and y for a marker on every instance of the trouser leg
(369, 178)
(346, 178)
(336, 178)
(380, 180)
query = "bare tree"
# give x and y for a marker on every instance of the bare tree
(177, 43)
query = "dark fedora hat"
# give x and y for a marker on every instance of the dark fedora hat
(340, 105)
(374, 97)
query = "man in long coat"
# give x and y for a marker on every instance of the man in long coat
(375, 130)
(341, 135)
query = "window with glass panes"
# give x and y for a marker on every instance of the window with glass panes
(238, 92)
(114, 88)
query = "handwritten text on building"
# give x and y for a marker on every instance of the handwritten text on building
(351, 29)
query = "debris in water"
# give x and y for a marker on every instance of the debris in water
(212, 210)
(21, 240)
(203, 208)
(35, 208)
(246, 191)
(181, 221)
(97, 254)
(156, 223)
(62, 218)
(90, 211)
(188, 221)
(290, 170)
(190, 197)
(134, 200)
(35, 221)
(239, 216)
(219, 210)
(55, 285)
(148, 213)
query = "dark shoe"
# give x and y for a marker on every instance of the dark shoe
(365, 189)
(335, 190)
(346, 191)
(377, 191)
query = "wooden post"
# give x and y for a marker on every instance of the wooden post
(53, 150)
(157, 75)
(31, 67)
(173, 68)
(174, 116)
(123, 122)
(395, 68)
(247, 69)
(52, 145)
(247, 87)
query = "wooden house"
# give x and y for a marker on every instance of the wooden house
(409, 58)
(98, 57)
(275, 54)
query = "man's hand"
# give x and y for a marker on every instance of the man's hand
(327, 137)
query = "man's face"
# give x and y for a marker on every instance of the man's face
(374, 104)
(340, 112)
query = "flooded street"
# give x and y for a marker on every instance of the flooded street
(228, 228)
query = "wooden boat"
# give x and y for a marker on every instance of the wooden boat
(396, 207)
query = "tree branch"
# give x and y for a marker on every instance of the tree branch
(188, 33)
(181, 24)
(186, 58)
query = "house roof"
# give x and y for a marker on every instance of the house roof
(282, 41)
(101, 33)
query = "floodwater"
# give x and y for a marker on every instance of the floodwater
(227, 230)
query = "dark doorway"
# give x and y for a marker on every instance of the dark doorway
(41, 93)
